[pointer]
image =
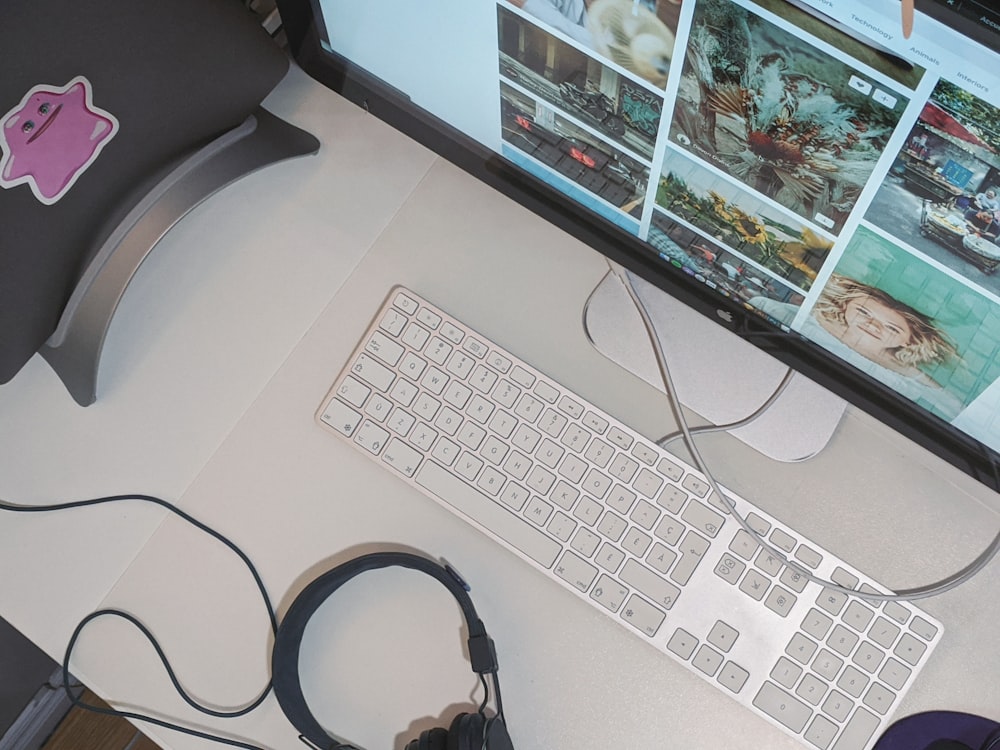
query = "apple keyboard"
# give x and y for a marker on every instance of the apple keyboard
(627, 527)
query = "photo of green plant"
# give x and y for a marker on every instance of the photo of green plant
(740, 220)
(780, 115)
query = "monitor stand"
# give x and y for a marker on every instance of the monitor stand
(717, 375)
(74, 349)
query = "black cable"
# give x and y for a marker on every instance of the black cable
(75, 700)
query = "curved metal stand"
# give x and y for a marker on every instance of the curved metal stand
(74, 349)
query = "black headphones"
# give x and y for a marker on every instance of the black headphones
(468, 731)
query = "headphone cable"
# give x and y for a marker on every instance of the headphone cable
(111, 612)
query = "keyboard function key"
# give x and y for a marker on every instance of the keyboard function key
(645, 454)
(782, 540)
(498, 362)
(571, 407)
(453, 333)
(405, 303)
(546, 392)
(475, 347)
(896, 612)
(595, 422)
(429, 318)
(619, 438)
(670, 470)
(695, 485)
(808, 556)
(923, 628)
(522, 377)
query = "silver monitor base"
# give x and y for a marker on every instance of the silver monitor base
(719, 376)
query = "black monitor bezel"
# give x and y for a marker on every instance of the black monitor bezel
(393, 107)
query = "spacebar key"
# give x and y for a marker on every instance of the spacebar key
(488, 514)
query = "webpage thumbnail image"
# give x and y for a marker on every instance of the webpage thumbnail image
(908, 324)
(567, 149)
(728, 214)
(637, 35)
(723, 270)
(782, 116)
(942, 196)
(574, 82)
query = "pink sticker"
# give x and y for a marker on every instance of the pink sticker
(51, 137)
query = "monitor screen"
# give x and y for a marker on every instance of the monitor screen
(831, 183)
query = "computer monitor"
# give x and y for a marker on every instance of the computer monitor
(825, 188)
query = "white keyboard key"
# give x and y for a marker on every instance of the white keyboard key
(642, 615)
(406, 303)
(374, 373)
(402, 457)
(341, 417)
(484, 511)
(371, 437)
(353, 391)
(577, 572)
(782, 707)
(659, 590)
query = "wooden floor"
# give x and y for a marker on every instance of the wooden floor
(86, 730)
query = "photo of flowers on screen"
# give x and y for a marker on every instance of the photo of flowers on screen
(785, 118)
(733, 216)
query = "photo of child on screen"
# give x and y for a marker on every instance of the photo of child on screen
(895, 340)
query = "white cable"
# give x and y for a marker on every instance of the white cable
(664, 441)
(920, 592)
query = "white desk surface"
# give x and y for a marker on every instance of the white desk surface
(215, 364)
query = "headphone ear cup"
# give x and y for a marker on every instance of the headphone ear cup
(432, 739)
(466, 732)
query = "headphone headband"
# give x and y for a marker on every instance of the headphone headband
(288, 641)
